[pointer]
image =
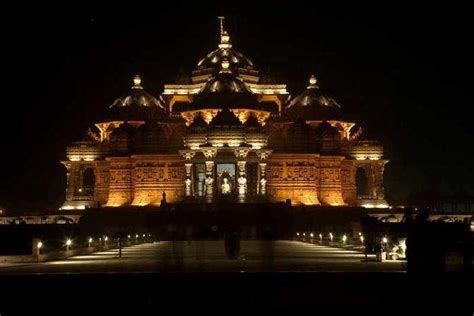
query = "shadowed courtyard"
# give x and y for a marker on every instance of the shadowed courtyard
(210, 256)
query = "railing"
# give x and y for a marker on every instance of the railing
(367, 197)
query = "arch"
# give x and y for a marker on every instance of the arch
(362, 182)
(88, 181)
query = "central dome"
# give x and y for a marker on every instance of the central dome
(215, 58)
(225, 53)
(225, 82)
(225, 90)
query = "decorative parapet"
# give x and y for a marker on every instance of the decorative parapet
(84, 150)
(364, 150)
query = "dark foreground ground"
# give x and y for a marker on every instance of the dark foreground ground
(198, 276)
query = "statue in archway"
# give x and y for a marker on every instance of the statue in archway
(225, 187)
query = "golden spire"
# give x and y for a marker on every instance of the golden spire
(221, 24)
(225, 38)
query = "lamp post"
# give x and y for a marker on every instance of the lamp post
(331, 236)
(90, 241)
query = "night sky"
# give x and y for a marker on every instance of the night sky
(403, 72)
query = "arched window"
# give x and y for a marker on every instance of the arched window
(361, 182)
(88, 181)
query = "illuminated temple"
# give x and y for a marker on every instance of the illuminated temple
(223, 132)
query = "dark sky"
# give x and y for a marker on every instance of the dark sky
(404, 72)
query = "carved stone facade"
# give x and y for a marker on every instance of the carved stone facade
(224, 133)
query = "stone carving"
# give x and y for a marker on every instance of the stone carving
(263, 186)
(242, 181)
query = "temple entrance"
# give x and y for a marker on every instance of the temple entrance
(225, 176)
(200, 177)
(361, 182)
(86, 183)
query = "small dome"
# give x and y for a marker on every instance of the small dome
(136, 105)
(137, 97)
(313, 104)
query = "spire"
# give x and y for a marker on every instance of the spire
(221, 24)
(225, 38)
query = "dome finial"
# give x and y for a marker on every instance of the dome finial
(225, 66)
(313, 80)
(225, 38)
(137, 80)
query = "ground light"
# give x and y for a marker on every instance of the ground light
(344, 238)
(68, 244)
(331, 236)
(361, 239)
(321, 236)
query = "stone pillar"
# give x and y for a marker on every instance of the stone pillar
(242, 181)
(188, 181)
(348, 182)
(71, 173)
(375, 179)
(69, 185)
(209, 181)
(263, 179)
(262, 182)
